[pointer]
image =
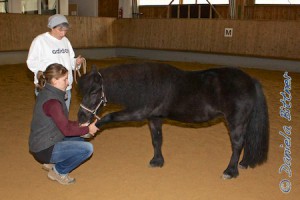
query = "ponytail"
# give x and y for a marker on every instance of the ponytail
(53, 71)
(41, 80)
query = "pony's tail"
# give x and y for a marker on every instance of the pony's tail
(256, 144)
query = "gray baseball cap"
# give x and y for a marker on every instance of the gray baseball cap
(57, 19)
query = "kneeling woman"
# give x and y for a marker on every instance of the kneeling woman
(55, 140)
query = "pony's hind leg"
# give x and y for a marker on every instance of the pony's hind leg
(237, 141)
(244, 162)
(156, 135)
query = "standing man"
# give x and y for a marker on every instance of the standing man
(53, 47)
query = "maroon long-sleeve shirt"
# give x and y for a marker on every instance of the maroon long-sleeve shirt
(53, 109)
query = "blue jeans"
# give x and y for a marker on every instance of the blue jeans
(68, 101)
(70, 153)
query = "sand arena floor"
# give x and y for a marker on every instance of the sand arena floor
(195, 157)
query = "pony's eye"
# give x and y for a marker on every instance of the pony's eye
(94, 93)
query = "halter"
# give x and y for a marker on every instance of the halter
(103, 101)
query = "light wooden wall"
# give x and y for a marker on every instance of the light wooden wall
(17, 31)
(270, 12)
(108, 8)
(153, 11)
(244, 11)
(277, 39)
(262, 38)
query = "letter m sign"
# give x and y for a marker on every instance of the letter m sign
(228, 32)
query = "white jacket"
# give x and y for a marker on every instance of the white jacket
(45, 50)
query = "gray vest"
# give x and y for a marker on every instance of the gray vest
(44, 133)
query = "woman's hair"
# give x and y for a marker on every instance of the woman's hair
(62, 25)
(54, 70)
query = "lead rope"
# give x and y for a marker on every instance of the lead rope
(77, 69)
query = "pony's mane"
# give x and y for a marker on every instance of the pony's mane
(89, 82)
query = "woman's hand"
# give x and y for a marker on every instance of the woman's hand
(85, 124)
(79, 60)
(93, 128)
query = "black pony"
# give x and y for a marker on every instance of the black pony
(156, 91)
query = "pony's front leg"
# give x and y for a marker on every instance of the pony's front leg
(104, 120)
(120, 116)
(98, 124)
(156, 134)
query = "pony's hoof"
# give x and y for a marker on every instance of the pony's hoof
(156, 163)
(155, 166)
(243, 166)
(226, 177)
(229, 174)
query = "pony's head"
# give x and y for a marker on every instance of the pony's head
(91, 87)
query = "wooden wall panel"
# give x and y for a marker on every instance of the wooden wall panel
(248, 11)
(262, 38)
(162, 11)
(108, 8)
(270, 12)
(17, 31)
(153, 11)
(276, 39)
(90, 32)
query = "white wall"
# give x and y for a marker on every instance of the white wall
(16, 6)
(64, 7)
(126, 5)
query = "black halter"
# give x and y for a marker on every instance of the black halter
(103, 102)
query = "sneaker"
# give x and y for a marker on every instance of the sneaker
(62, 179)
(47, 167)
